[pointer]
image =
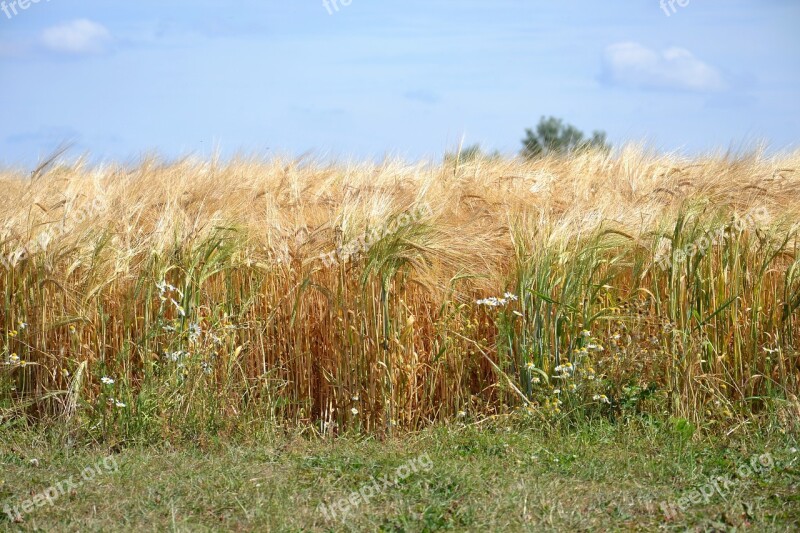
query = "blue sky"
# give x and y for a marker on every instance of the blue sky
(408, 78)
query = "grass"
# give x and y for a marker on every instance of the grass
(500, 475)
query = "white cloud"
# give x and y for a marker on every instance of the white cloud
(77, 37)
(634, 65)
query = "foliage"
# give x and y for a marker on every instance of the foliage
(553, 136)
(469, 154)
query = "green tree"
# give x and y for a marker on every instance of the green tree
(467, 154)
(553, 136)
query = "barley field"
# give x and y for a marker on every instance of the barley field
(178, 298)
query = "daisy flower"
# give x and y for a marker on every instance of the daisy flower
(194, 332)
(492, 301)
(174, 356)
(107, 380)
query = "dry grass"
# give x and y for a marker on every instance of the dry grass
(392, 336)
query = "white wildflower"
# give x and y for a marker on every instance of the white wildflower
(175, 356)
(493, 301)
(194, 332)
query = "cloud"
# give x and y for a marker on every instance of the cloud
(633, 65)
(77, 37)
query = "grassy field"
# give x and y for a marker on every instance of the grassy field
(588, 300)
(498, 476)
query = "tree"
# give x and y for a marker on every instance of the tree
(468, 154)
(553, 136)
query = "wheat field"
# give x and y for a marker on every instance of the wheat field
(201, 295)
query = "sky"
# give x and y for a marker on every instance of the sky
(411, 78)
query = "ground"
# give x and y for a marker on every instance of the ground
(498, 475)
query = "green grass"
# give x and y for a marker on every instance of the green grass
(502, 475)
